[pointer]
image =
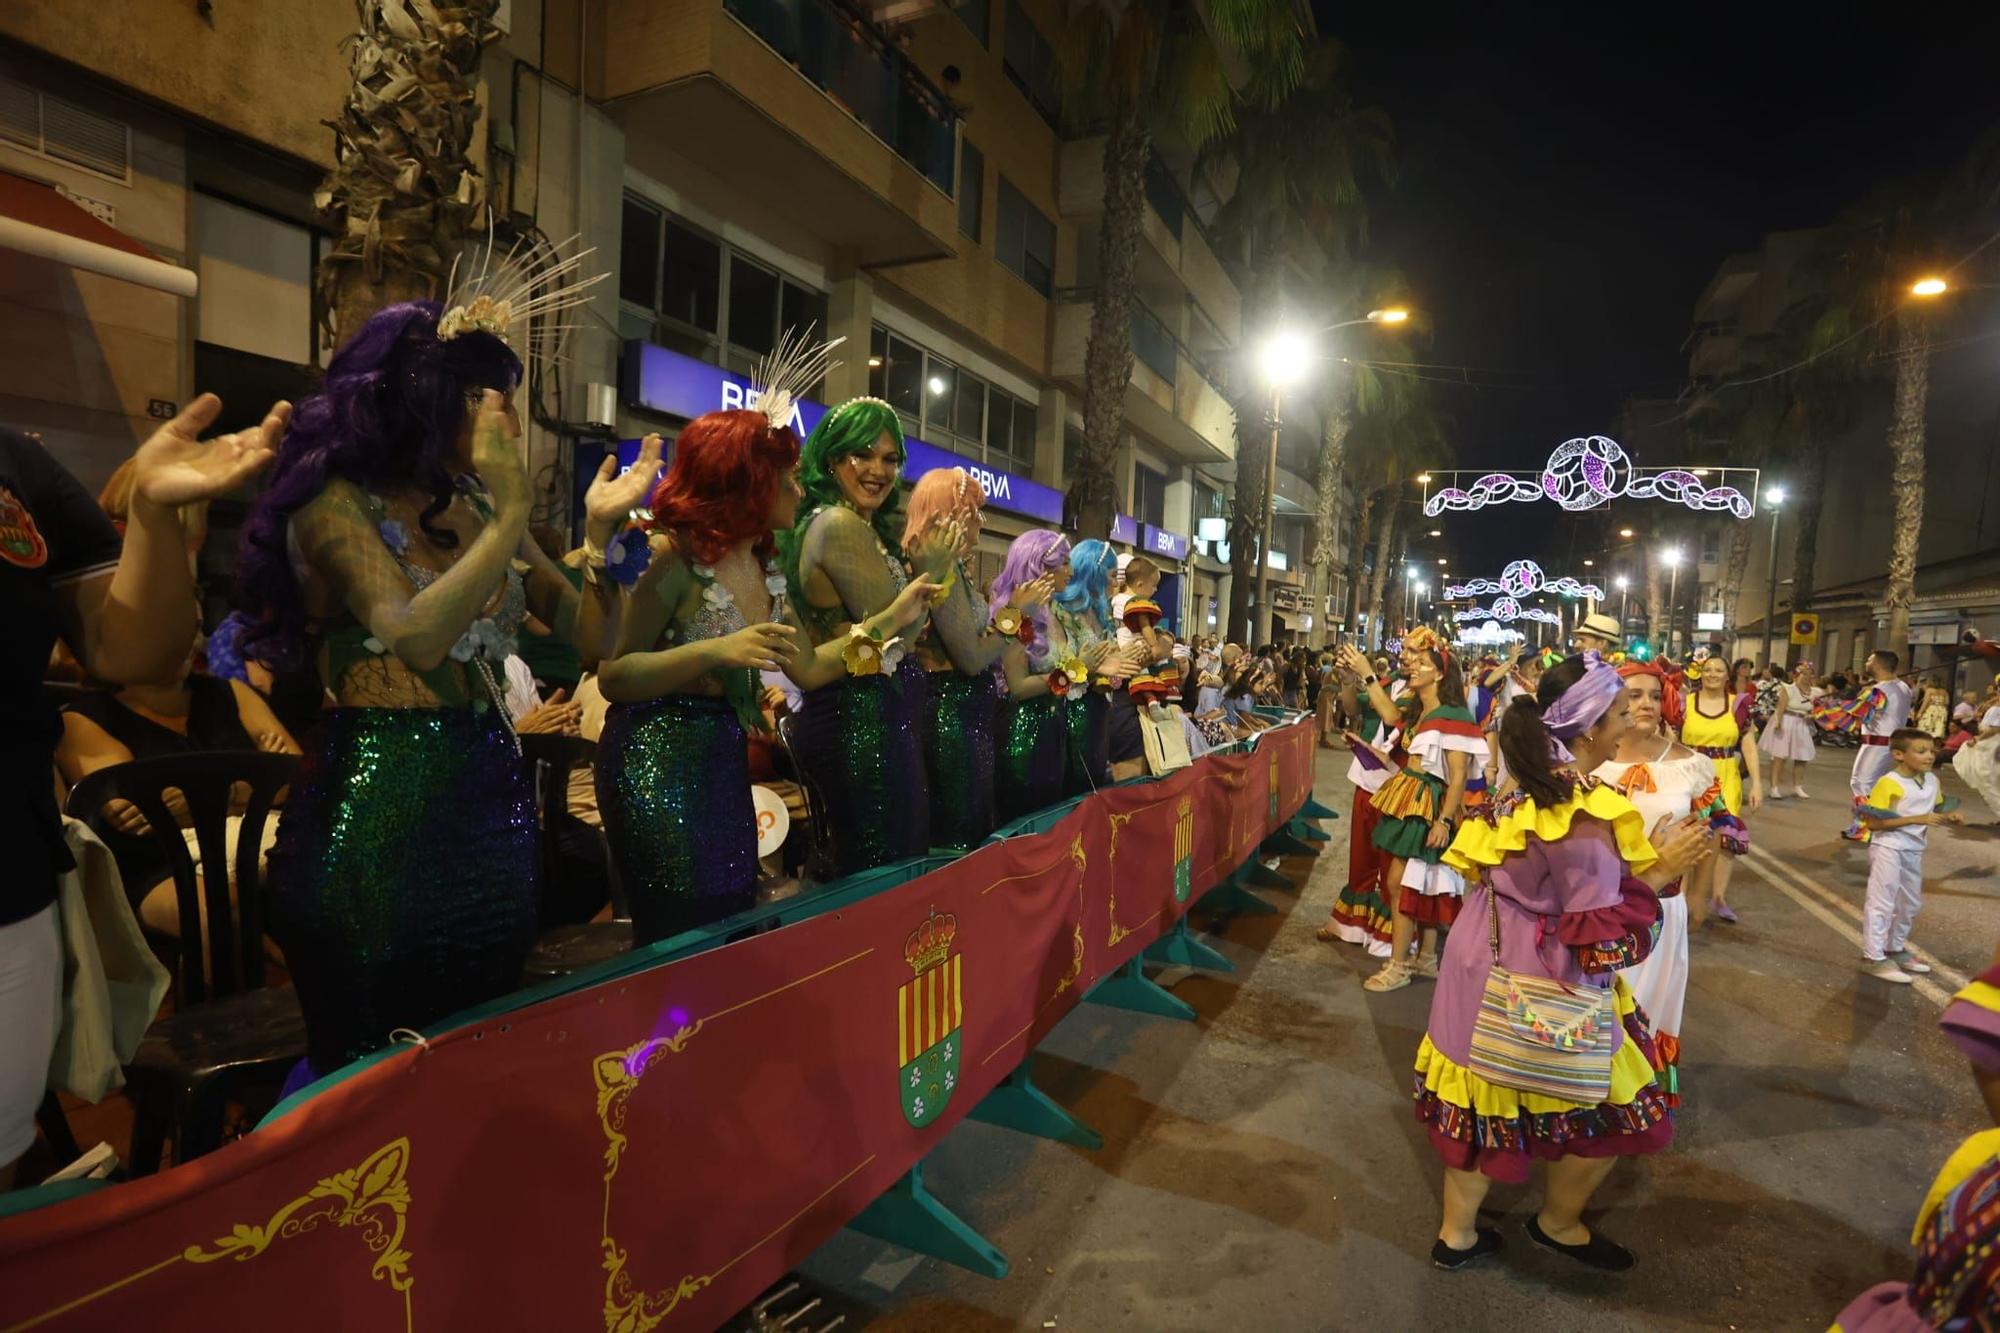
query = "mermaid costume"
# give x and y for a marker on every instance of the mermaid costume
(673, 786)
(402, 879)
(1035, 738)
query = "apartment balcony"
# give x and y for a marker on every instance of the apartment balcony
(804, 104)
(1168, 399)
(1175, 258)
(1716, 353)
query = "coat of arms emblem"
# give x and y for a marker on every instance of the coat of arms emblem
(929, 1013)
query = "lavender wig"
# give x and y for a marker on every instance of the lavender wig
(1029, 557)
(1089, 587)
(387, 416)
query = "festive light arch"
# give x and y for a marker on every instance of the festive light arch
(1590, 471)
(1523, 578)
(1506, 610)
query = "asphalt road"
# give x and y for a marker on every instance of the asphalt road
(1262, 1169)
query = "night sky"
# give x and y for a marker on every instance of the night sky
(1571, 176)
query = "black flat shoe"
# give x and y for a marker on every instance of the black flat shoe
(1597, 1252)
(1486, 1241)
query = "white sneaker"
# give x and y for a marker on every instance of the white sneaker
(1799, 793)
(1906, 960)
(1777, 795)
(1886, 970)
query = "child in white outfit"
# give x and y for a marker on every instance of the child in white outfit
(1898, 813)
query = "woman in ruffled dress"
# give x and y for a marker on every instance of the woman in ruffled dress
(1364, 912)
(960, 651)
(1668, 784)
(706, 615)
(1787, 740)
(1420, 807)
(1564, 884)
(1717, 723)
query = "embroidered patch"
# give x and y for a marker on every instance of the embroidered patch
(20, 540)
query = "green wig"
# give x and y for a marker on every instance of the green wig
(851, 428)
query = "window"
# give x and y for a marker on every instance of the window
(1163, 192)
(1031, 63)
(1152, 344)
(1711, 547)
(691, 278)
(1149, 495)
(976, 15)
(971, 188)
(753, 306)
(950, 406)
(1024, 240)
(639, 255)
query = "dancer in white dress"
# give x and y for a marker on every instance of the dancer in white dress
(1669, 783)
(1978, 760)
(1788, 737)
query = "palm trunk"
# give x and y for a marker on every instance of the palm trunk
(1656, 602)
(1381, 578)
(1326, 513)
(402, 190)
(1107, 360)
(1357, 566)
(1906, 449)
(1246, 521)
(1401, 608)
(1805, 548)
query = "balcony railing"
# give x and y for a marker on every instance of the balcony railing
(1152, 344)
(835, 45)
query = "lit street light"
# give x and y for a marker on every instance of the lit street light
(1932, 286)
(1624, 586)
(1774, 497)
(1624, 532)
(1395, 314)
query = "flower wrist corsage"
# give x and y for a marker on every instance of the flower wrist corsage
(1069, 675)
(866, 653)
(1007, 622)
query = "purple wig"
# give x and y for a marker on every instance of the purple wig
(387, 417)
(1031, 555)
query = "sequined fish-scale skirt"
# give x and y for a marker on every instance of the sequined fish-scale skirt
(1034, 740)
(958, 756)
(673, 784)
(402, 880)
(1087, 762)
(860, 743)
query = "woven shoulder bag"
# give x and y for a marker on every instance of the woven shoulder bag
(1537, 1034)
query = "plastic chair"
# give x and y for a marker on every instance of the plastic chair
(819, 866)
(228, 1032)
(567, 949)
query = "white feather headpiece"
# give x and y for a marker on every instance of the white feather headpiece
(503, 298)
(794, 365)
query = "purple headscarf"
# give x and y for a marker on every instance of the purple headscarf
(1579, 707)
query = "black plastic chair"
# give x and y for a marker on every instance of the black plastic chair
(820, 865)
(228, 1033)
(567, 949)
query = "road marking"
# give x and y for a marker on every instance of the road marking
(1815, 899)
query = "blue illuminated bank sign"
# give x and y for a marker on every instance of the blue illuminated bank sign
(667, 382)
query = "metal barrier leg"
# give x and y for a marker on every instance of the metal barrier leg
(1231, 896)
(909, 1215)
(1018, 1104)
(1179, 948)
(1312, 809)
(1130, 988)
(1282, 843)
(1254, 874)
(1300, 829)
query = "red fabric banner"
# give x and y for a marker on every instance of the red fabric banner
(655, 1150)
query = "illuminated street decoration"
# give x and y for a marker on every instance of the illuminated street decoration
(1491, 632)
(1590, 471)
(1506, 611)
(1521, 579)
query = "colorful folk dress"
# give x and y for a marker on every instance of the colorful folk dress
(1364, 913)
(1570, 910)
(1721, 739)
(1670, 790)
(1431, 892)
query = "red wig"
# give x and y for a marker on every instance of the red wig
(724, 478)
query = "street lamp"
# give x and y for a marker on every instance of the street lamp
(1930, 286)
(1284, 359)
(1395, 314)
(1774, 497)
(1625, 603)
(1672, 555)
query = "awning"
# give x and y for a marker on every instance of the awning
(36, 220)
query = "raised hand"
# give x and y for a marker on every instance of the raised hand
(613, 494)
(1033, 593)
(913, 601)
(765, 647)
(936, 547)
(1093, 656)
(175, 467)
(496, 452)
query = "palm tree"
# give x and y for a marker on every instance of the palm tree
(1413, 439)
(1185, 66)
(402, 189)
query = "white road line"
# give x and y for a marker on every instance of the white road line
(1815, 900)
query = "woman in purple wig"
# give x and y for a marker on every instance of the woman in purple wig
(390, 550)
(1041, 672)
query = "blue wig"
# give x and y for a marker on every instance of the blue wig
(1090, 563)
